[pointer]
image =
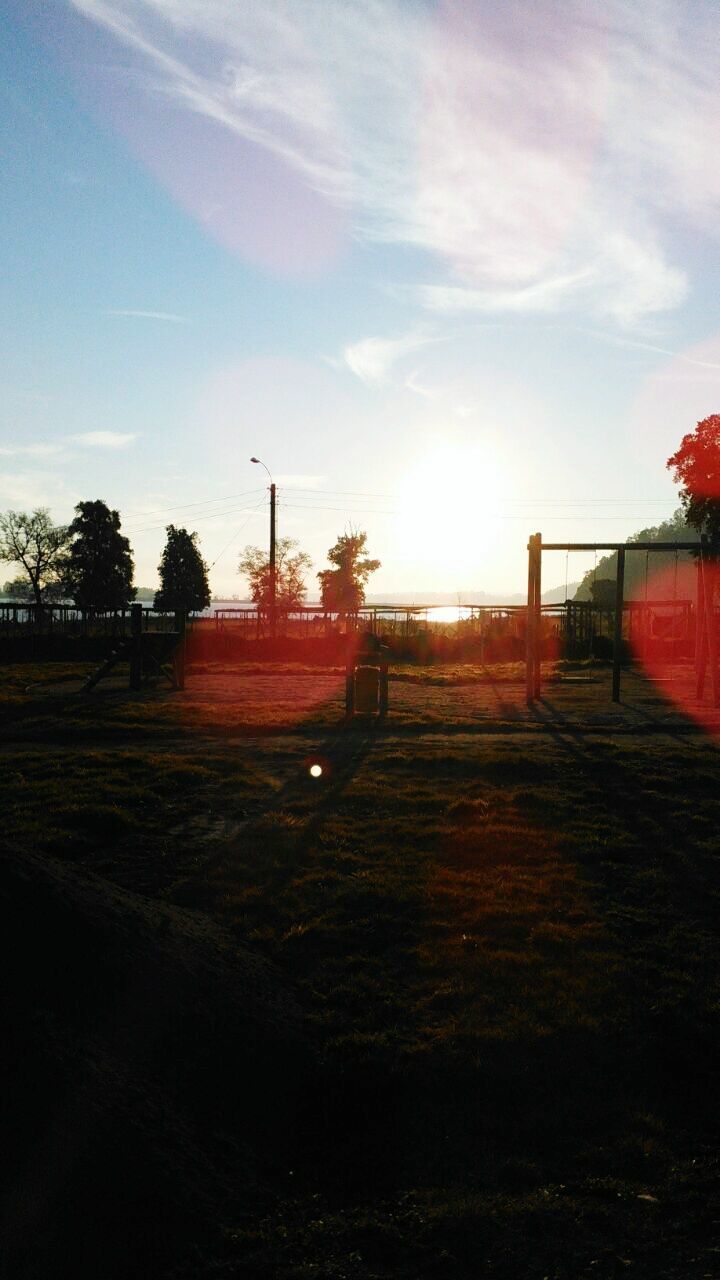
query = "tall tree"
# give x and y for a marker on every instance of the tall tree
(99, 569)
(290, 570)
(342, 588)
(183, 574)
(31, 540)
(696, 468)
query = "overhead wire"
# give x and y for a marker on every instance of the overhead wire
(202, 502)
(237, 533)
(215, 515)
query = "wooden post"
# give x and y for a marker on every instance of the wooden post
(617, 639)
(179, 654)
(701, 647)
(383, 685)
(530, 620)
(136, 616)
(709, 576)
(699, 612)
(350, 680)
(537, 628)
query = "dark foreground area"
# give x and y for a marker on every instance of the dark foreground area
(448, 1010)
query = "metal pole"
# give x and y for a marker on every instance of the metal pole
(617, 641)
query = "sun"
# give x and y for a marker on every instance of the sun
(448, 500)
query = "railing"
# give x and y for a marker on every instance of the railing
(67, 619)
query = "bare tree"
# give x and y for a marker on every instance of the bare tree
(31, 540)
(290, 573)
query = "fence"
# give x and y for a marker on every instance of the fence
(574, 628)
(68, 620)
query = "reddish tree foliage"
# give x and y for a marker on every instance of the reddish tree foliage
(696, 467)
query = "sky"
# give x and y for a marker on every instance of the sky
(449, 269)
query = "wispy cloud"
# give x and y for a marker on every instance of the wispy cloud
(37, 489)
(30, 450)
(150, 315)
(548, 164)
(634, 345)
(103, 439)
(372, 358)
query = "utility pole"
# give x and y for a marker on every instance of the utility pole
(273, 580)
(272, 605)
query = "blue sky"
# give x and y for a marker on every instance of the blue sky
(450, 270)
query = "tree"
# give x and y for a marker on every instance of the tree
(342, 588)
(696, 467)
(183, 574)
(290, 573)
(675, 529)
(99, 568)
(39, 546)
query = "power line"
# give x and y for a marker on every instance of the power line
(203, 502)
(496, 515)
(235, 535)
(197, 519)
(337, 493)
(351, 511)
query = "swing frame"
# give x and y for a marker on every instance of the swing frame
(706, 640)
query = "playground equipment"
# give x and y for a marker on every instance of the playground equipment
(150, 654)
(706, 628)
(366, 678)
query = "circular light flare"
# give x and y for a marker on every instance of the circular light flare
(315, 770)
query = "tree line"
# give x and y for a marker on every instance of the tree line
(89, 562)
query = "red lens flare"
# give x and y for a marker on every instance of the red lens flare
(661, 628)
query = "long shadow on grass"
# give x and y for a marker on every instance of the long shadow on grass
(345, 916)
(653, 877)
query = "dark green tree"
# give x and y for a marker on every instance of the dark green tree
(183, 574)
(696, 468)
(99, 569)
(31, 540)
(290, 570)
(342, 588)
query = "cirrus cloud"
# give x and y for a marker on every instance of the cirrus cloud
(545, 156)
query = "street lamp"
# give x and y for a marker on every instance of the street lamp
(272, 611)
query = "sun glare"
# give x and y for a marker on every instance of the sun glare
(449, 497)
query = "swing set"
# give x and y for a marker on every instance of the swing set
(706, 629)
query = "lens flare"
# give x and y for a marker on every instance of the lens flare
(315, 770)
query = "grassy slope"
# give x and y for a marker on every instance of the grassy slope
(505, 944)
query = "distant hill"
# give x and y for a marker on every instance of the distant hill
(552, 596)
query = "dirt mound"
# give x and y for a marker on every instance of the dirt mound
(155, 1071)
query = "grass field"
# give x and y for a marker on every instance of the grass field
(500, 925)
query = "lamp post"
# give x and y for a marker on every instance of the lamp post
(271, 609)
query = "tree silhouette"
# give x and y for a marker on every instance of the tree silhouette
(342, 588)
(290, 573)
(99, 569)
(696, 467)
(183, 574)
(31, 540)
